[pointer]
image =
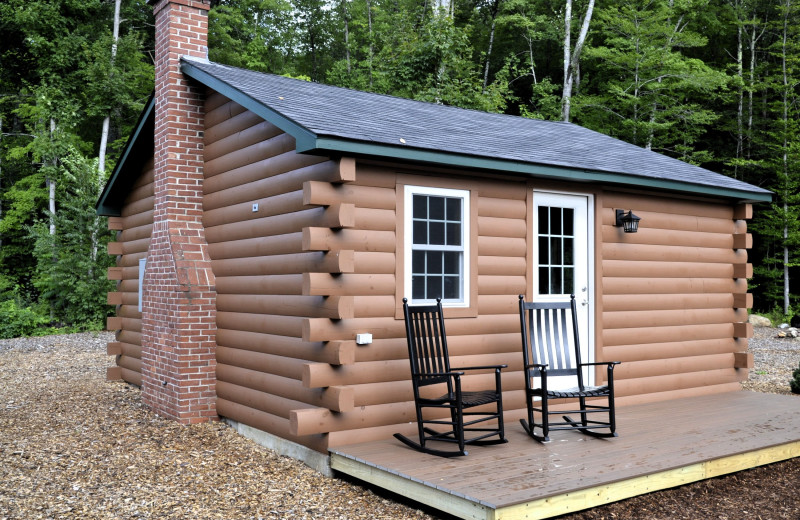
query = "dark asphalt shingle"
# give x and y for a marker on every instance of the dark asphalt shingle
(356, 116)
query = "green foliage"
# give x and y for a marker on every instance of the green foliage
(794, 383)
(650, 92)
(71, 264)
(671, 75)
(17, 320)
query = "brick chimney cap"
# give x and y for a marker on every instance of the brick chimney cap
(195, 3)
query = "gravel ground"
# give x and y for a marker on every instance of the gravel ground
(75, 446)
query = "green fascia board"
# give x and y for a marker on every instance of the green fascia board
(341, 146)
(110, 201)
(303, 137)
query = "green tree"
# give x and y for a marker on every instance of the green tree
(649, 91)
(254, 34)
(779, 228)
(70, 275)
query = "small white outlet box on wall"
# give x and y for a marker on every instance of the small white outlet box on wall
(363, 339)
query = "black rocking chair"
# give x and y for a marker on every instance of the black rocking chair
(430, 365)
(549, 342)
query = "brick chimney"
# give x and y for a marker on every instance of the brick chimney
(179, 294)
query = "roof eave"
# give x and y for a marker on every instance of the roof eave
(107, 204)
(303, 137)
(323, 145)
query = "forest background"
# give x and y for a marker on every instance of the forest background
(712, 82)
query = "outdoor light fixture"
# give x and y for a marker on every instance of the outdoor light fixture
(628, 221)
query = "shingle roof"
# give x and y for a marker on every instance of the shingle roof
(327, 119)
(360, 117)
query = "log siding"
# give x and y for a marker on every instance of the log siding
(673, 297)
(307, 253)
(134, 227)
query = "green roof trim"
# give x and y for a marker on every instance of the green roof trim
(137, 150)
(342, 146)
(303, 137)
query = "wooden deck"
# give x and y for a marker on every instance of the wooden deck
(660, 445)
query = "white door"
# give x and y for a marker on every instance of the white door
(563, 255)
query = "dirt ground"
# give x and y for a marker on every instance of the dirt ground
(73, 446)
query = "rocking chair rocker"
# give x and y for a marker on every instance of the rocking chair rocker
(549, 341)
(430, 365)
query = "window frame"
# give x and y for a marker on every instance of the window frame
(465, 248)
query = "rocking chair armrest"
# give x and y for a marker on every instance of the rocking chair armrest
(447, 374)
(493, 367)
(598, 363)
(537, 365)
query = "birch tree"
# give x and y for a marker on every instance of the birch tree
(572, 54)
(101, 165)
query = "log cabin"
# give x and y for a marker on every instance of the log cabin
(268, 229)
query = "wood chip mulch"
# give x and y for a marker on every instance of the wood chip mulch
(73, 446)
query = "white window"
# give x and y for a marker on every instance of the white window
(437, 245)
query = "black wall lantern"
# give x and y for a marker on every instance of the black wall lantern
(628, 221)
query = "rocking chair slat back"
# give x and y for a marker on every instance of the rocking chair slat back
(552, 338)
(427, 344)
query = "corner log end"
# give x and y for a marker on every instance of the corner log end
(743, 360)
(743, 301)
(742, 330)
(308, 421)
(743, 212)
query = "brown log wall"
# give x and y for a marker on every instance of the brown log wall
(317, 263)
(265, 240)
(133, 228)
(674, 299)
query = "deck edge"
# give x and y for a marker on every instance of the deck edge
(414, 489)
(579, 500)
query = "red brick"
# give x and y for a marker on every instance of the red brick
(171, 349)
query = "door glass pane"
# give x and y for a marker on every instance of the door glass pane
(556, 274)
(544, 221)
(556, 253)
(569, 281)
(555, 221)
(544, 251)
(544, 280)
(569, 221)
(569, 251)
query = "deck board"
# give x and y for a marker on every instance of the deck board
(660, 445)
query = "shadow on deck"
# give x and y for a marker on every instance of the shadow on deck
(660, 445)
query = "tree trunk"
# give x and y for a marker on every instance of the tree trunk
(51, 185)
(786, 173)
(107, 120)
(740, 106)
(571, 59)
(371, 48)
(346, 17)
(751, 85)
(495, 8)
(1, 175)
